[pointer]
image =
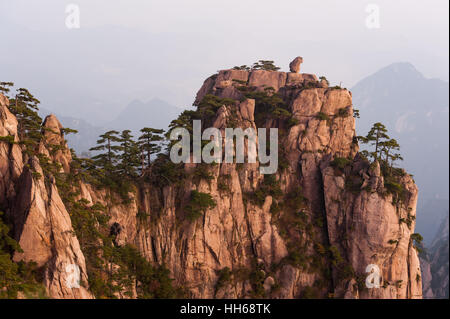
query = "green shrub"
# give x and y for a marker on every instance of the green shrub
(280, 113)
(310, 293)
(268, 105)
(325, 79)
(345, 272)
(335, 255)
(269, 187)
(242, 67)
(353, 184)
(198, 204)
(241, 82)
(153, 282)
(393, 187)
(340, 162)
(274, 208)
(417, 239)
(36, 175)
(297, 259)
(225, 275)
(17, 277)
(165, 172)
(222, 186)
(265, 65)
(202, 172)
(223, 182)
(322, 116)
(209, 105)
(7, 139)
(343, 112)
(257, 278)
(295, 198)
(283, 162)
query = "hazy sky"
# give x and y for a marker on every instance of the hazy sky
(144, 49)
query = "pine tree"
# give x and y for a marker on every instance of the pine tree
(129, 157)
(5, 87)
(25, 106)
(150, 143)
(376, 137)
(385, 147)
(388, 147)
(67, 130)
(108, 142)
(185, 120)
(265, 65)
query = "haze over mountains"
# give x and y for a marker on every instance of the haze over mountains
(434, 263)
(416, 112)
(154, 113)
(142, 49)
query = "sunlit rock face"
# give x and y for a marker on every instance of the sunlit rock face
(313, 238)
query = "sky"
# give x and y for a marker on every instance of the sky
(135, 49)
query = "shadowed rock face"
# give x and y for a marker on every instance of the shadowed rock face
(322, 245)
(434, 262)
(11, 163)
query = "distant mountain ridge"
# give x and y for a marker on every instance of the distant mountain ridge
(87, 133)
(415, 110)
(155, 113)
(435, 263)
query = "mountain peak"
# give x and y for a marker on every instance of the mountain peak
(400, 70)
(399, 76)
(157, 100)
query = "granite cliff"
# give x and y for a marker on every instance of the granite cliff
(308, 231)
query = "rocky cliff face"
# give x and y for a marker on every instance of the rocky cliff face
(308, 231)
(434, 263)
(42, 225)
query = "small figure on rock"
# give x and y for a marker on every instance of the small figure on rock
(294, 66)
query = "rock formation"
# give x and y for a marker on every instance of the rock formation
(308, 231)
(294, 66)
(434, 263)
(42, 225)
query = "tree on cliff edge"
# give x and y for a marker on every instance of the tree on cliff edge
(150, 143)
(129, 156)
(266, 65)
(25, 106)
(385, 146)
(107, 142)
(376, 136)
(388, 148)
(5, 87)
